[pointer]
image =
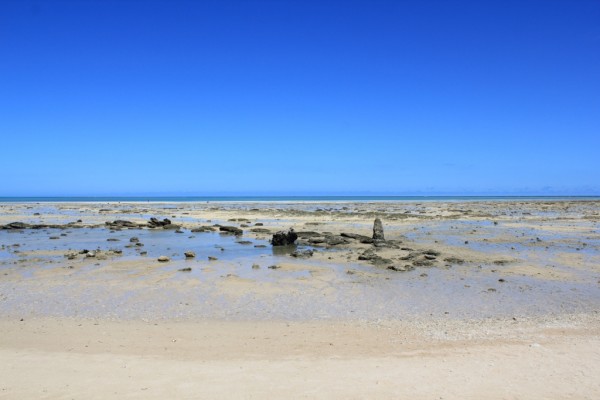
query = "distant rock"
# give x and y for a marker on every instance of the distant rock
(120, 223)
(189, 254)
(283, 238)
(203, 229)
(231, 229)
(260, 230)
(16, 225)
(164, 259)
(399, 268)
(155, 223)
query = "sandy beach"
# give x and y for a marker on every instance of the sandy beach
(462, 299)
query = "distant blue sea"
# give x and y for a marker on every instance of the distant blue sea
(204, 199)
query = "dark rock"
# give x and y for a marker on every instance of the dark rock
(302, 253)
(16, 225)
(422, 262)
(204, 229)
(155, 223)
(189, 254)
(282, 238)
(378, 230)
(134, 239)
(171, 226)
(335, 240)
(308, 234)
(398, 268)
(260, 230)
(244, 242)
(373, 258)
(316, 240)
(454, 260)
(119, 223)
(231, 229)
(211, 258)
(187, 269)
(163, 259)
(356, 236)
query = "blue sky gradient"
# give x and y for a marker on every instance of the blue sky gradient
(299, 97)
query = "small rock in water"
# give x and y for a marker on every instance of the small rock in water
(187, 269)
(190, 254)
(211, 258)
(134, 240)
(163, 259)
(274, 267)
(255, 266)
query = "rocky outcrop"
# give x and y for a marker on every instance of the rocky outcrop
(378, 230)
(283, 238)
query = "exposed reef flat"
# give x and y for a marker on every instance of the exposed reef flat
(465, 284)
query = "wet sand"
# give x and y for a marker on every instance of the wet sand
(464, 300)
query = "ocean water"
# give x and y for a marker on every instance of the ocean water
(188, 199)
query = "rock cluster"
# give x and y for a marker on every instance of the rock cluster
(165, 224)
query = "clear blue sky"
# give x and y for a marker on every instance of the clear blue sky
(299, 97)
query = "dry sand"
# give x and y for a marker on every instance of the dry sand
(517, 318)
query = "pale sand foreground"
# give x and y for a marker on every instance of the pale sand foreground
(70, 359)
(510, 309)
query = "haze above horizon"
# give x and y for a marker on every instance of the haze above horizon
(164, 98)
